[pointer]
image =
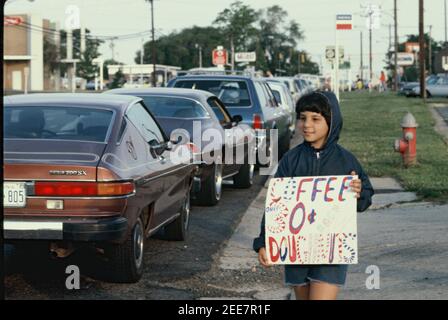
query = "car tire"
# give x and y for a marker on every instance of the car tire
(177, 230)
(245, 176)
(125, 260)
(211, 188)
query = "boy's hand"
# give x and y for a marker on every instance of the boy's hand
(356, 185)
(263, 258)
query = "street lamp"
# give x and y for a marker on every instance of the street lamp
(153, 45)
(197, 46)
(100, 63)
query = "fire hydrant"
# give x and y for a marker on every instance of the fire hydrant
(407, 146)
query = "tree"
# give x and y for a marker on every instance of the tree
(119, 80)
(268, 32)
(86, 68)
(178, 48)
(106, 70)
(237, 25)
(278, 38)
(51, 55)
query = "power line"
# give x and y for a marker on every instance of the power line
(50, 31)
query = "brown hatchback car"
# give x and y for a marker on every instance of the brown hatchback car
(92, 168)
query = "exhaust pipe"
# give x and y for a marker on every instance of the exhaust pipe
(61, 249)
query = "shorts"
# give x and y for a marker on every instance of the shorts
(300, 275)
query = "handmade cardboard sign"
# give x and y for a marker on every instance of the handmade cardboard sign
(311, 220)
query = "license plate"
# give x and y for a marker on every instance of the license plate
(14, 195)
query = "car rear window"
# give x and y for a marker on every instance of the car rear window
(299, 84)
(277, 95)
(174, 107)
(231, 93)
(287, 84)
(62, 123)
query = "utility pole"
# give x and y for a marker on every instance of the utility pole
(369, 13)
(232, 53)
(390, 36)
(396, 47)
(362, 63)
(430, 51)
(422, 48)
(112, 47)
(390, 47)
(445, 23)
(370, 45)
(153, 46)
(141, 63)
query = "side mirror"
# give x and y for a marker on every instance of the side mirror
(157, 148)
(176, 141)
(237, 118)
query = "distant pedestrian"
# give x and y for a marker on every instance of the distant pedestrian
(359, 84)
(320, 122)
(383, 86)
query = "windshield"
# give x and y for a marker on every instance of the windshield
(231, 93)
(433, 80)
(62, 123)
(171, 107)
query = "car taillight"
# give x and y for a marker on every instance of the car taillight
(257, 123)
(83, 189)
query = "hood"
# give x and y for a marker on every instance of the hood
(336, 120)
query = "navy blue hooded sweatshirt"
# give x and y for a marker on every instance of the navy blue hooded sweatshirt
(332, 159)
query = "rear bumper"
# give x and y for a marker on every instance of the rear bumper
(108, 229)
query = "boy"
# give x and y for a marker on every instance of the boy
(320, 122)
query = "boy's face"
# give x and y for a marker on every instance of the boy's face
(314, 128)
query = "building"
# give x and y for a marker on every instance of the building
(24, 67)
(441, 60)
(133, 73)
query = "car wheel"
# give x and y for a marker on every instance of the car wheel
(177, 230)
(245, 177)
(126, 259)
(269, 154)
(211, 189)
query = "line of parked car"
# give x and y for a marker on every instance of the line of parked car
(104, 168)
(436, 86)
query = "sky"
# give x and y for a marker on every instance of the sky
(316, 19)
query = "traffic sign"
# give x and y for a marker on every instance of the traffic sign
(344, 22)
(245, 56)
(12, 21)
(403, 59)
(330, 53)
(219, 57)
